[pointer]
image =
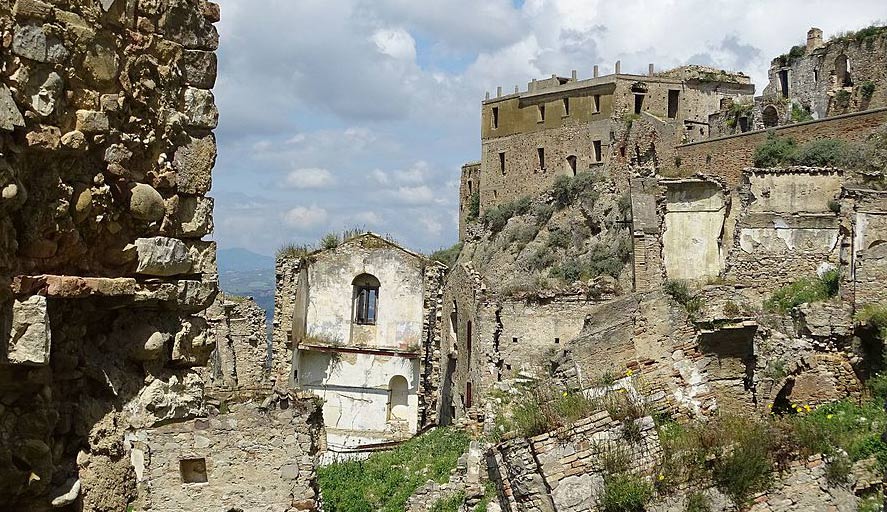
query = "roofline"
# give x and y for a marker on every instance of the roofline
(378, 237)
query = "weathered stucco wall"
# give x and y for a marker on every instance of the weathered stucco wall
(331, 292)
(694, 223)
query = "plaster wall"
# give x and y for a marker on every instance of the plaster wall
(355, 388)
(330, 296)
(694, 222)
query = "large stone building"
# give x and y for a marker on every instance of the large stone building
(563, 126)
(363, 332)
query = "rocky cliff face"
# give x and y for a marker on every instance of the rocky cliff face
(106, 150)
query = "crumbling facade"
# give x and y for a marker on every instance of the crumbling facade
(364, 325)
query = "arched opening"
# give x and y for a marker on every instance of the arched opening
(398, 399)
(842, 71)
(365, 299)
(770, 116)
(571, 161)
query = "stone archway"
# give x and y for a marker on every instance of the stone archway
(770, 116)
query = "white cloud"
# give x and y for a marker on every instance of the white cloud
(311, 177)
(396, 43)
(305, 218)
(421, 194)
(368, 218)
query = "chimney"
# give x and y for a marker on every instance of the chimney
(650, 70)
(596, 71)
(814, 38)
(487, 96)
(516, 89)
(574, 75)
(618, 67)
(499, 91)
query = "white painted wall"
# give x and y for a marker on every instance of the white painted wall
(355, 389)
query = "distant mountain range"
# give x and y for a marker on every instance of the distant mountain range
(246, 273)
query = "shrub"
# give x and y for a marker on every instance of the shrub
(875, 315)
(826, 153)
(867, 89)
(473, 207)
(837, 471)
(522, 233)
(385, 480)
(497, 217)
(613, 457)
(834, 206)
(775, 151)
(804, 290)
(542, 212)
(447, 256)
(329, 241)
(680, 292)
(570, 271)
(800, 114)
(540, 259)
(743, 466)
(450, 504)
(732, 310)
(624, 493)
(566, 190)
(293, 251)
(842, 99)
(559, 238)
(697, 502)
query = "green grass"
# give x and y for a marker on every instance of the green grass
(804, 290)
(450, 504)
(682, 294)
(624, 493)
(497, 217)
(854, 428)
(447, 256)
(385, 480)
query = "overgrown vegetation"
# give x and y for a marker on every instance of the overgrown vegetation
(800, 114)
(867, 89)
(875, 315)
(497, 217)
(566, 189)
(624, 492)
(804, 290)
(539, 408)
(473, 207)
(779, 151)
(447, 256)
(450, 504)
(864, 36)
(841, 99)
(293, 251)
(602, 259)
(796, 52)
(681, 292)
(385, 480)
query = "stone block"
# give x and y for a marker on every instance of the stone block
(162, 256)
(193, 163)
(146, 203)
(90, 121)
(30, 335)
(199, 68)
(34, 9)
(199, 106)
(182, 24)
(194, 216)
(10, 116)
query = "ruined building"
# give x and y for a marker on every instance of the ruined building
(362, 322)
(109, 303)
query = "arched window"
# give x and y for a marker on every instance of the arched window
(366, 298)
(842, 71)
(571, 162)
(771, 116)
(398, 398)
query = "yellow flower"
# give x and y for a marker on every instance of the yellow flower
(808, 408)
(830, 416)
(565, 393)
(661, 477)
(629, 373)
(622, 390)
(769, 406)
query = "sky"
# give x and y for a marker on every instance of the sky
(343, 114)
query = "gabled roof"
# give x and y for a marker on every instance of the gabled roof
(377, 239)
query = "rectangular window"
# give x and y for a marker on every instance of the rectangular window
(673, 104)
(541, 154)
(469, 187)
(566, 106)
(495, 119)
(540, 114)
(365, 307)
(557, 340)
(193, 471)
(468, 344)
(502, 163)
(638, 103)
(598, 152)
(596, 105)
(783, 82)
(468, 396)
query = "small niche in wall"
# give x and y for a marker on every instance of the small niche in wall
(557, 340)
(193, 471)
(514, 340)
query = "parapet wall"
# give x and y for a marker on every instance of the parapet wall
(725, 157)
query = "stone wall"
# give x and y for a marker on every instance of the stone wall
(251, 452)
(469, 188)
(726, 157)
(242, 357)
(106, 150)
(288, 276)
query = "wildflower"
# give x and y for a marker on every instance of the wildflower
(661, 477)
(622, 390)
(769, 406)
(629, 373)
(565, 393)
(807, 408)
(830, 416)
